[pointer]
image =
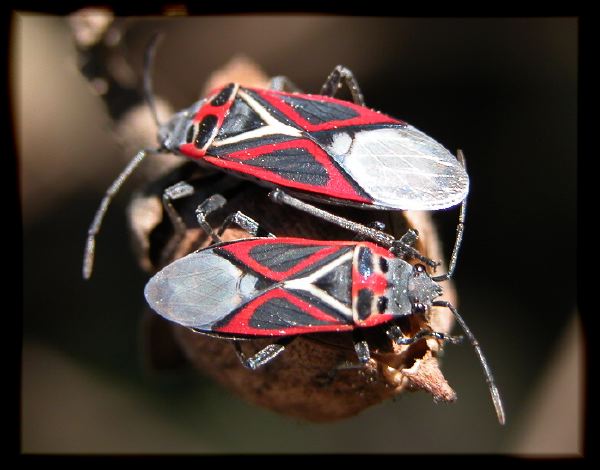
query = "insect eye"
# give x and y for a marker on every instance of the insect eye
(419, 307)
(419, 268)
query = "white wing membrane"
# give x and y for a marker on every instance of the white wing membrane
(401, 168)
(199, 289)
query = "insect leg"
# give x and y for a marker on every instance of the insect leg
(460, 227)
(489, 378)
(278, 196)
(376, 225)
(396, 335)
(283, 83)
(248, 224)
(170, 194)
(265, 355)
(339, 75)
(403, 248)
(409, 238)
(363, 353)
(382, 238)
(216, 201)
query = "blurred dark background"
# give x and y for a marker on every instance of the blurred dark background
(503, 90)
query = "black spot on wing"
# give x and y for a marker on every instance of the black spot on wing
(281, 257)
(280, 313)
(293, 164)
(241, 118)
(319, 112)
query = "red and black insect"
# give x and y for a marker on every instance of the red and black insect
(284, 287)
(318, 146)
(315, 146)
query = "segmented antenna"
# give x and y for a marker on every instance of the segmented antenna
(148, 66)
(90, 247)
(489, 378)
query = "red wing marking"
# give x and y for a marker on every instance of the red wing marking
(300, 164)
(280, 313)
(359, 115)
(280, 258)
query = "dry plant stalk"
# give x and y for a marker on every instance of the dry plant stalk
(298, 383)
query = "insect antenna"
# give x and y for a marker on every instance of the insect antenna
(148, 66)
(489, 378)
(90, 247)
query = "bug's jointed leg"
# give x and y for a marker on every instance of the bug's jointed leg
(213, 203)
(172, 193)
(248, 224)
(396, 335)
(339, 75)
(375, 225)
(404, 248)
(265, 355)
(363, 353)
(279, 196)
(384, 239)
(177, 191)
